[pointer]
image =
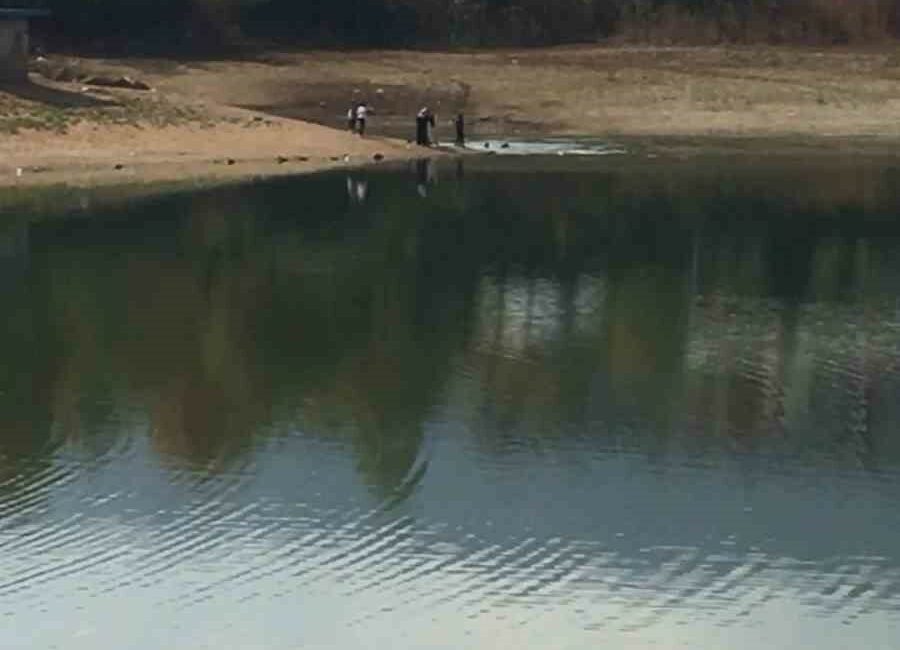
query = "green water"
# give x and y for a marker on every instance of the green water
(537, 403)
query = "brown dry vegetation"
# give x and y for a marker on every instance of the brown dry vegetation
(797, 22)
(758, 91)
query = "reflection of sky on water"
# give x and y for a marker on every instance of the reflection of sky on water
(629, 551)
(547, 147)
(272, 423)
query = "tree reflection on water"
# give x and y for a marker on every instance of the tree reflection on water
(666, 308)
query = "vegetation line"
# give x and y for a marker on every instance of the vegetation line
(160, 25)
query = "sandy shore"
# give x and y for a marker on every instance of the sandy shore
(283, 113)
(245, 145)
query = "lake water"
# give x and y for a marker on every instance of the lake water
(507, 403)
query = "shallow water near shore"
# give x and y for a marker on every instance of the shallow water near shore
(534, 402)
(546, 147)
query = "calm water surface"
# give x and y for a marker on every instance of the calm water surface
(531, 403)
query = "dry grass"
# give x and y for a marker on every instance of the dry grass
(798, 22)
(17, 115)
(586, 90)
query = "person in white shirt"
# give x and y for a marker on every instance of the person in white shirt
(362, 112)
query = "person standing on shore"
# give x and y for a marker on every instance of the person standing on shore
(430, 123)
(424, 123)
(362, 113)
(421, 127)
(460, 124)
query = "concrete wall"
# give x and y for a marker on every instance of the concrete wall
(13, 49)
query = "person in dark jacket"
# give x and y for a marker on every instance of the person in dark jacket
(424, 124)
(460, 124)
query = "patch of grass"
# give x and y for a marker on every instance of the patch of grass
(17, 115)
(137, 112)
(42, 120)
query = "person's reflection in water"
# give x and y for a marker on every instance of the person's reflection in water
(214, 262)
(357, 189)
(424, 176)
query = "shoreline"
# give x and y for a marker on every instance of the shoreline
(199, 173)
(153, 172)
(283, 114)
(89, 155)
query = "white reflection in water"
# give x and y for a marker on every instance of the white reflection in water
(516, 314)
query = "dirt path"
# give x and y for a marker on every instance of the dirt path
(284, 112)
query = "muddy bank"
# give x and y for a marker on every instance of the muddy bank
(583, 90)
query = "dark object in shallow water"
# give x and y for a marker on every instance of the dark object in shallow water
(487, 145)
(281, 160)
(378, 157)
(119, 166)
(505, 145)
(229, 161)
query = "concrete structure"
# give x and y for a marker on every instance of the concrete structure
(14, 42)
